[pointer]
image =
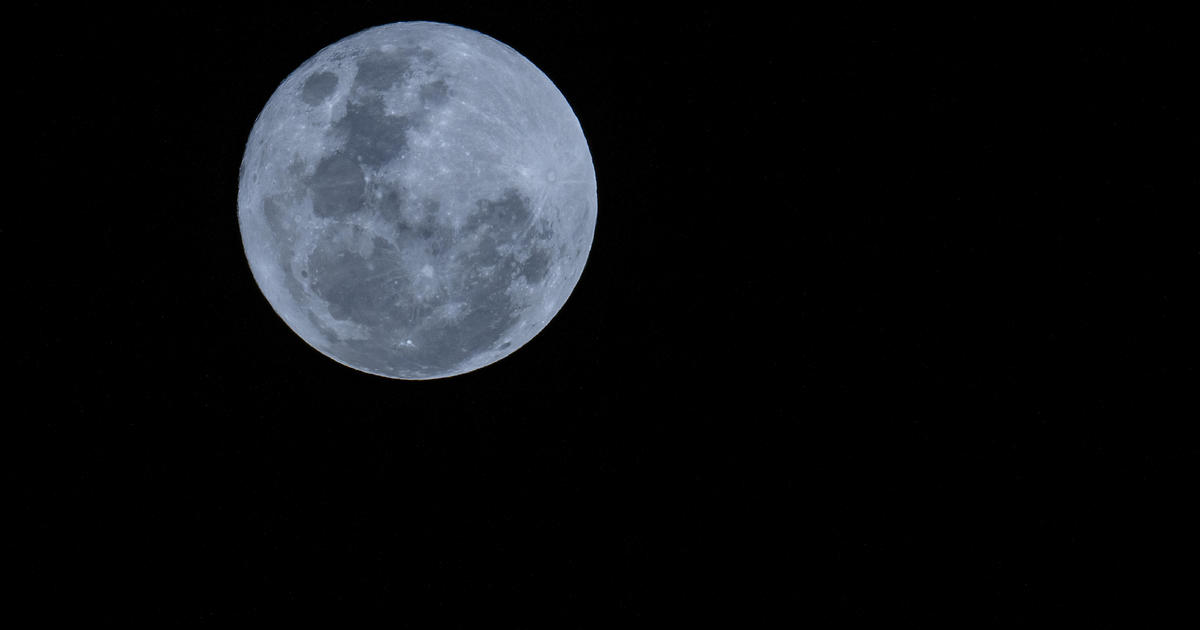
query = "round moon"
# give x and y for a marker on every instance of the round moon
(417, 200)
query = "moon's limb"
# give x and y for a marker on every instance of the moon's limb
(417, 200)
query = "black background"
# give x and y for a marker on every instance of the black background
(889, 316)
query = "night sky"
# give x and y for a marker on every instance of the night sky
(889, 317)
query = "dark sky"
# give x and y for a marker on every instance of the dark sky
(889, 317)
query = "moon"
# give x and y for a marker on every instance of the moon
(417, 200)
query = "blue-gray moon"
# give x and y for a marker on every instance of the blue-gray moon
(417, 200)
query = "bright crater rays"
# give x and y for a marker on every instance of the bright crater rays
(417, 200)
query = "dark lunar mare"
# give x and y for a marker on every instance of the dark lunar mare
(318, 87)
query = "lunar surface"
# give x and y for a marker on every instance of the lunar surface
(417, 200)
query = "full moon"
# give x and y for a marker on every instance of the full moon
(417, 200)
